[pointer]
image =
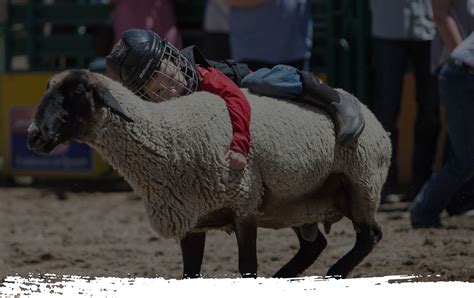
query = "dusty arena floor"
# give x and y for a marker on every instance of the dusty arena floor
(107, 234)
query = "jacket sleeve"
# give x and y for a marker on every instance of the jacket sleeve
(214, 81)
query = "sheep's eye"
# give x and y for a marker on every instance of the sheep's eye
(48, 85)
(79, 89)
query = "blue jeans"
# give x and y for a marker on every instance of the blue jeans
(456, 87)
(281, 81)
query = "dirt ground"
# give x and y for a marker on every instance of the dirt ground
(108, 234)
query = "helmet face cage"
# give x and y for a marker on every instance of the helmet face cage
(173, 76)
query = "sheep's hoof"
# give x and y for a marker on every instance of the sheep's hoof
(249, 275)
(190, 276)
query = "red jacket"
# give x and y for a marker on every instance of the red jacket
(214, 81)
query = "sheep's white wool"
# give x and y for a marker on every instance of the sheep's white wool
(173, 157)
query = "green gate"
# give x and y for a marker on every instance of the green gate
(43, 37)
(340, 46)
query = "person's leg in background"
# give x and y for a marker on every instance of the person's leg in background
(463, 200)
(427, 123)
(456, 89)
(390, 60)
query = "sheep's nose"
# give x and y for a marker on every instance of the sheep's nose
(33, 135)
(33, 128)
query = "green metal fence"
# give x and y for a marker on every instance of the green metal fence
(51, 36)
(341, 51)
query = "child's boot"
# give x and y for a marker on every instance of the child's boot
(344, 108)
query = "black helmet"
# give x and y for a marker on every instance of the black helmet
(138, 55)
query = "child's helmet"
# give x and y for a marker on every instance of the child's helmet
(137, 57)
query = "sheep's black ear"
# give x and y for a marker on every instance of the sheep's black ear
(109, 100)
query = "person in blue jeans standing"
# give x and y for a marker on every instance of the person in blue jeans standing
(456, 87)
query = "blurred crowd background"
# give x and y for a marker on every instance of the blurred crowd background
(388, 53)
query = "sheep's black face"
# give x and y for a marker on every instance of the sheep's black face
(65, 111)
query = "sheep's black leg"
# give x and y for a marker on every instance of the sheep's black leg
(246, 233)
(368, 236)
(308, 253)
(192, 249)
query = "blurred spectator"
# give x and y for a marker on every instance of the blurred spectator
(402, 31)
(454, 20)
(216, 28)
(264, 33)
(155, 15)
(454, 26)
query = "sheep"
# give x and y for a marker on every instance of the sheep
(172, 155)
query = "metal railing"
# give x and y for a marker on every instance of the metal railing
(341, 51)
(50, 36)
